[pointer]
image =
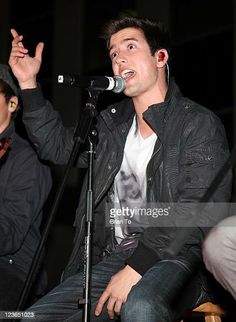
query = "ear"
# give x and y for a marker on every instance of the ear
(162, 57)
(13, 103)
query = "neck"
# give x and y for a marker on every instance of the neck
(3, 126)
(142, 102)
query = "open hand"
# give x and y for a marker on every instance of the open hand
(24, 67)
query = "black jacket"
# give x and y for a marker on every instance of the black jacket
(24, 187)
(190, 149)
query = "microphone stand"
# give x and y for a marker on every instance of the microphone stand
(82, 131)
(85, 301)
(92, 138)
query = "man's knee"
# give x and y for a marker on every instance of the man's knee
(139, 307)
(136, 302)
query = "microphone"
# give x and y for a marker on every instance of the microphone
(115, 83)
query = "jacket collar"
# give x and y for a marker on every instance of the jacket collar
(9, 131)
(118, 113)
(156, 115)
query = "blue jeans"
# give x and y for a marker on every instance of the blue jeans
(150, 300)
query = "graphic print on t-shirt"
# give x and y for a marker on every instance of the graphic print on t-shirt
(130, 182)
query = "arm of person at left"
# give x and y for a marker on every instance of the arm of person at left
(25, 188)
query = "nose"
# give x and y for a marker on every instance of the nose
(120, 59)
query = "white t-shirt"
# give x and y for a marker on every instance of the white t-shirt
(130, 181)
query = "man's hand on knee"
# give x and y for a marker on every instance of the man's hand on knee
(117, 291)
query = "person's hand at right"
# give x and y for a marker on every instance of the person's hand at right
(24, 67)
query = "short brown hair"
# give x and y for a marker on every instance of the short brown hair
(155, 32)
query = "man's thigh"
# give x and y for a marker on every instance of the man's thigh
(61, 303)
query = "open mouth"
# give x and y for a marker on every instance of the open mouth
(127, 74)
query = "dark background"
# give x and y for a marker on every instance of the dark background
(203, 51)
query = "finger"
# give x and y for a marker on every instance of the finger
(18, 52)
(14, 33)
(110, 307)
(17, 41)
(117, 307)
(104, 297)
(17, 49)
(39, 51)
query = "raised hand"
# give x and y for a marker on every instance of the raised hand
(24, 67)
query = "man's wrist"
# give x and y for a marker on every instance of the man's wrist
(132, 270)
(142, 259)
(29, 84)
(32, 99)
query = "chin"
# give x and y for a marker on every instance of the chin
(130, 92)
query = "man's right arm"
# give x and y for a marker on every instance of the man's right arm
(51, 139)
(44, 126)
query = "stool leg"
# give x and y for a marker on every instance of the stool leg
(212, 318)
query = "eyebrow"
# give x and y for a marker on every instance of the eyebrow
(124, 41)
